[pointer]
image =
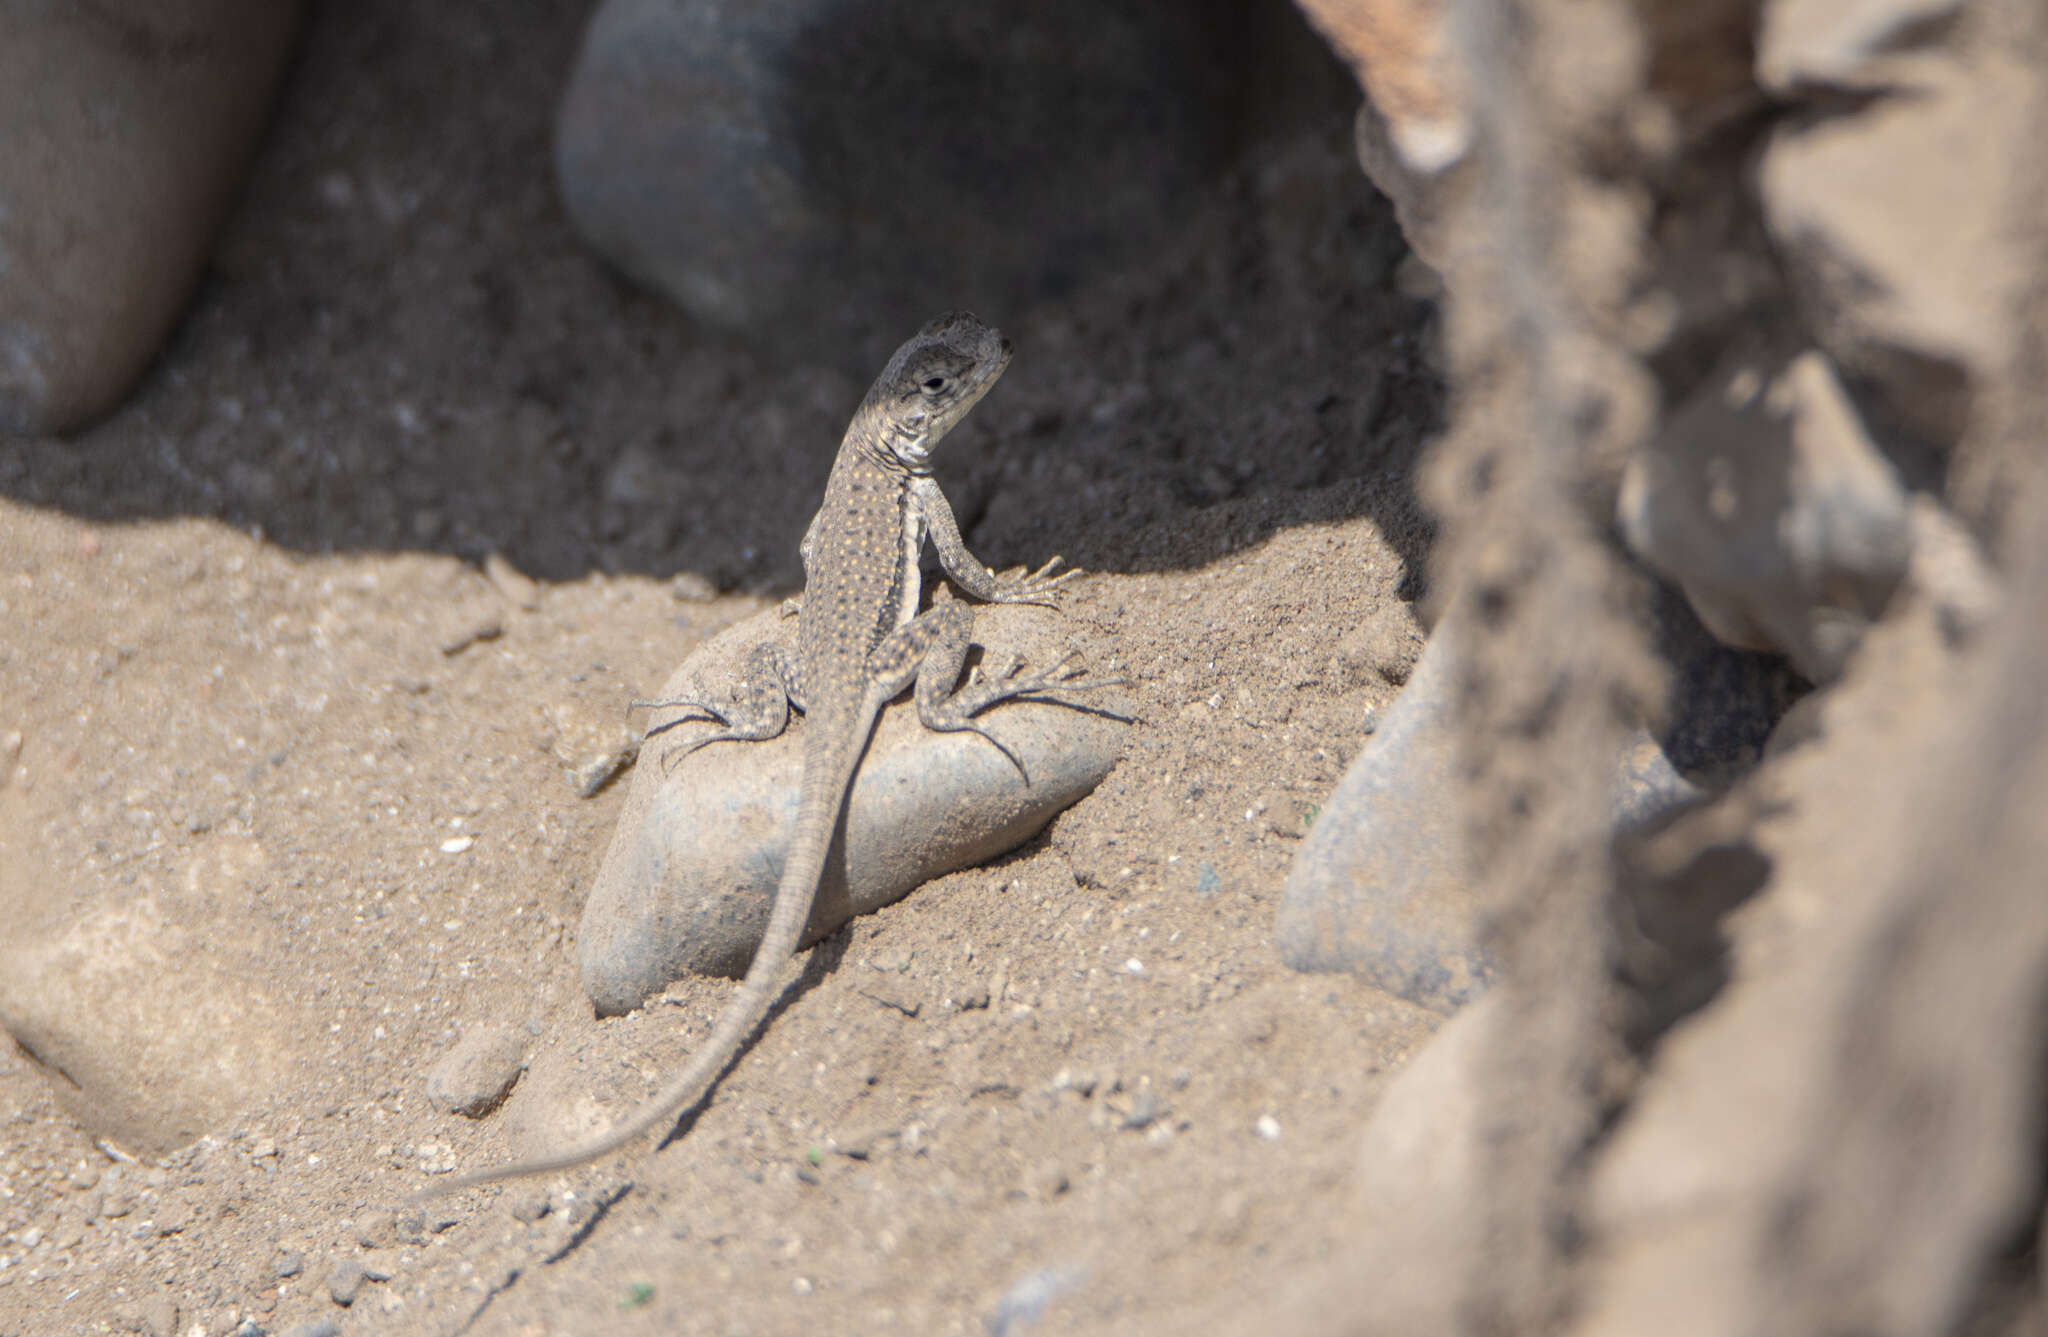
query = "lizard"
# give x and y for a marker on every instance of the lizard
(860, 642)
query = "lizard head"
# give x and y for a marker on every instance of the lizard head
(931, 382)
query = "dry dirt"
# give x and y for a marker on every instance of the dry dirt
(236, 743)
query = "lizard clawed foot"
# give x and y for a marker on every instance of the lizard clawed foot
(1052, 685)
(711, 714)
(734, 727)
(1035, 587)
(1006, 684)
(760, 706)
(1008, 669)
(1049, 686)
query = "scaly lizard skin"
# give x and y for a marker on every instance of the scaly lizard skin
(860, 642)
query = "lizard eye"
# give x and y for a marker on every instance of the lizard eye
(935, 385)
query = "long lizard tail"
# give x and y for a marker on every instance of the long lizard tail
(830, 755)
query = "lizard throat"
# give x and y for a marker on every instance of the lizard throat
(909, 450)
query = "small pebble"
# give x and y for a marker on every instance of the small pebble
(1025, 1302)
(590, 778)
(1287, 817)
(435, 1158)
(375, 1229)
(173, 1217)
(345, 1281)
(1080, 1083)
(1267, 1127)
(690, 588)
(517, 588)
(159, 1316)
(1144, 1111)
(467, 631)
(478, 1072)
(531, 1207)
(457, 844)
(314, 1327)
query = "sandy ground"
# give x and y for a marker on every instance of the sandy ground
(237, 740)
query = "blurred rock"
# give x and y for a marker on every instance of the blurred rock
(127, 126)
(1842, 44)
(1905, 288)
(814, 172)
(477, 1074)
(149, 1028)
(1423, 203)
(1422, 1162)
(1872, 1062)
(1385, 884)
(1411, 131)
(1951, 571)
(1401, 52)
(1766, 502)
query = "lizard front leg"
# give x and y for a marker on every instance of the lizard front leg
(770, 685)
(967, 571)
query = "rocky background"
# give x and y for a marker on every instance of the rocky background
(1751, 294)
(1662, 950)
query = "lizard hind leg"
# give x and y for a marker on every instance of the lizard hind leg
(1049, 685)
(932, 649)
(760, 709)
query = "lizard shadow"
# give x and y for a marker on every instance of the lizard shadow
(819, 963)
(332, 392)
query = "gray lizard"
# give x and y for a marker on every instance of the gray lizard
(860, 642)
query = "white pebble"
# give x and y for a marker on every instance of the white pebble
(457, 844)
(1267, 1127)
(1135, 966)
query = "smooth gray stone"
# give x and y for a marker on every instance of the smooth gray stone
(1423, 1163)
(1383, 885)
(126, 126)
(810, 172)
(1765, 499)
(686, 883)
(1900, 284)
(474, 1077)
